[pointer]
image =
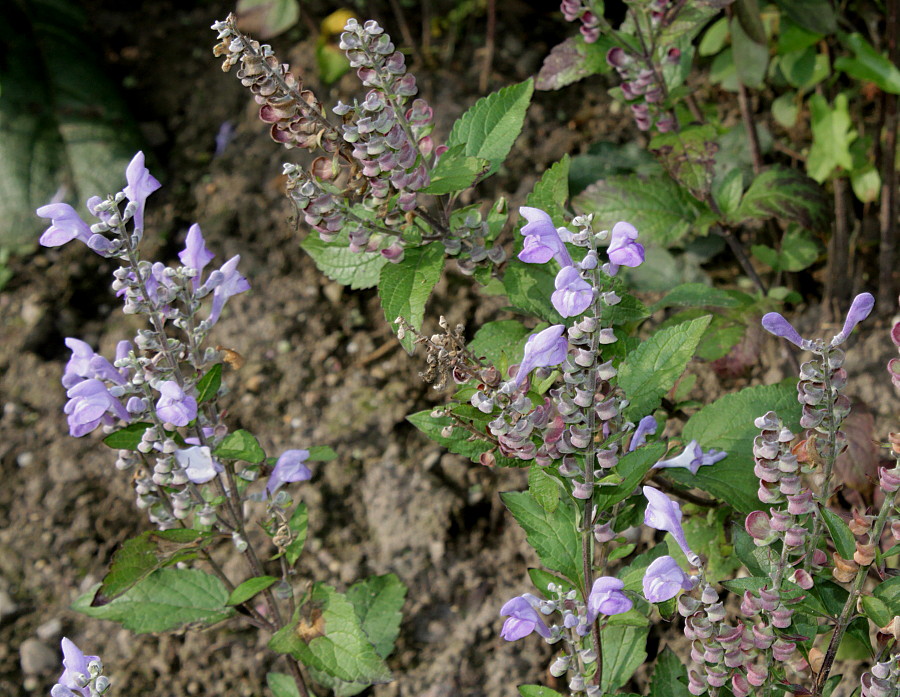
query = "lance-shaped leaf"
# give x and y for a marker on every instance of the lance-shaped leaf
(404, 288)
(786, 194)
(127, 438)
(869, 65)
(843, 539)
(208, 385)
(249, 588)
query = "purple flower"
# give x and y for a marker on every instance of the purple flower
(542, 240)
(140, 185)
(522, 618)
(289, 468)
(607, 598)
(65, 225)
(664, 514)
(542, 350)
(75, 665)
(195, 255)
(85, 363)
(623, 250)
(646, 427)
(90, 403)
(663, 579)
(174, 406)
(693, 458)
(198, 464)
(860, 308)
(573, 294)
(231, 283)
(776, 324)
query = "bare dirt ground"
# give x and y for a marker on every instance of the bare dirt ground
(317, 373)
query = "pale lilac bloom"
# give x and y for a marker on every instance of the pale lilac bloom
(860, 308)
(198, 463)
(542, 350)
(140, 185)
(75, 663)
(646, 427)
(776, 324)
(86, 363)
(89, 405)
(665, 514)
(663, 579)
(623, 250)
(174, 406)
(289, 468)
(693, 458)
(232, 283)
(65, 225)
(522, 618)
(542, 239)
(573, 295)
(195, 254)
(607, 598)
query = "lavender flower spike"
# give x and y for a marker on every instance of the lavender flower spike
(174, 406)
(522, 618)
(623, 250)
(542, 240)
(542, 350)
(75, 665)
(607, 598)
(663, 579)
(140, 185)
(859, 309)
(573, 294)
(65, 225)
(664, 514)
(289, 468)
(693, 458)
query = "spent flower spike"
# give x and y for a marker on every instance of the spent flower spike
(693, 458)
(665, 514)
(522, 618)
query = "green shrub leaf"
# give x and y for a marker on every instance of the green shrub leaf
(404, 288)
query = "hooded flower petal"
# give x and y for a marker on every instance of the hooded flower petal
(542, 350)
(523, 618)
(75, 663)
(663, 579)
(198, 463)
(90, 403)
(174, 406)
(607, 598)
(623, 250)
(646, 427)
(664, 514)
(542, 240)
(232, 283)
(65, 225)
(140, 185)
(195, 254)
(693, 458)
(289, 468)
(859, 309)
(573, 294)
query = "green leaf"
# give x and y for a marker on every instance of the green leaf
(687, 155)
(140, 556)
(326, 635)
(876, 610)
(750, 58)
(815, 16)
(537, 691)
(868, 64)
(335, 260)
(282, 685)
(240, 445)
(786, 109)
(889, 593)
(249, 588)
(378, 601)
(164, 600)
(490, 127)
(758, 560)
(621, 552)
(552, 191)
(543, 487)
(208, 385)
(624, 651)
(798, 251)
(542, 579)
(495, 340)
(459, 440)
(127, 438)
(573, 60)
(669, 676)
(843, 539)
(551, 535)
(727, 424)
(652, 369)
(866, 183)
(628, 309)
(321, 453)
(331, 61)
(832, 135)
(786, 194)
(529, 287)
(700, 295)
(455, 171)
(264, 19)
(404, 288)
(631, 468)
(298, 526)
(727, 191)
(662, 211)
(714, 38)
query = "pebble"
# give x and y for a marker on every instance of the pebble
(25, 459)
(50, 630)
(7, 605)
(37, 658)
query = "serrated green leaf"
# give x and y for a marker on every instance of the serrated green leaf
(128, 437)
(786, 194)
(529, 287)
(326, 635)
(868, 65)
(321, 453)
(543, 488)
(378, 601)
(631, 468)
(140, 556)
(240, 445)
(653, 368)
(843, 539)
(876, 610)
(542, 579)
(455, 171)
(404, 288)
(458, 442)
(298, 527)
(249, 588)
(628, 309)
(166, 599)
(551, 535)
(888, 592)
(624, 651)
(537, 691)
(208, 385)
(669, 676)
(832, 129)
(495, 340)
(552, 191)
(282, 685)
(573, 60)
(662, 211)
(490, 127)
(758, 560)
(334, 259)
(727, 191)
